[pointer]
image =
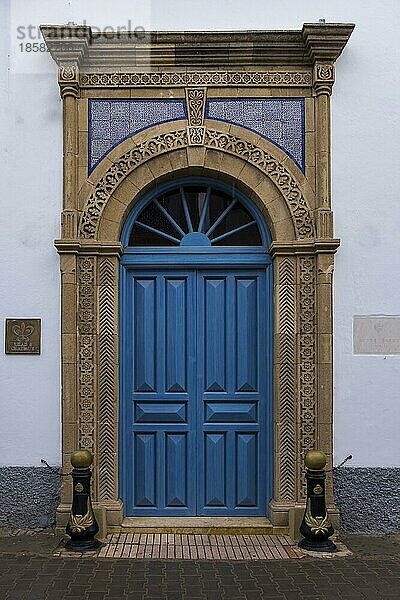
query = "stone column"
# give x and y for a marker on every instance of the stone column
(68, 79)
(323, 79)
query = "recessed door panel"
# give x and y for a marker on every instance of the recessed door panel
(246, 320)
(246, 469)
(176, 334)
(215, 334)
(145, 341)
(145, 469)
(215, 469)
(176, 469)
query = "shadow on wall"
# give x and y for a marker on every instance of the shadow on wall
(368, 499)
(29, 497)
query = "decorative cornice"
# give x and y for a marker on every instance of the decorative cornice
(91, 247)
(78, 45)
(326, 41)
(300, 247)
(67, 44)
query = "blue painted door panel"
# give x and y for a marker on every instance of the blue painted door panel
(160, 387)
(197, 392)
(232, 433)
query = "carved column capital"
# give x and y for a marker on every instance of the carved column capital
(323, 78)
(68, 80)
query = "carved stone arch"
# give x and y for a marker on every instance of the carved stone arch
(268, 175)
(279, 189)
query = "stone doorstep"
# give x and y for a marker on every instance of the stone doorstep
(199, 525)
(192, 547)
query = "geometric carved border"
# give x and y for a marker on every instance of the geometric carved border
(307, 362)
(162, 143)
(209, 78)
(286, 371)
(86, 354)
(108, 364)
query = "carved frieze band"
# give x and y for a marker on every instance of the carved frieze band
(108, 364)
(208, 78)
(160, 144)
(307, 362)
(286, 373)
(86, 354)
(196, 104)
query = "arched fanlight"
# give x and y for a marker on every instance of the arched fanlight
(195, 215)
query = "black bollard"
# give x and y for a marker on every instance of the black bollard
(316, 525)
(82, 525)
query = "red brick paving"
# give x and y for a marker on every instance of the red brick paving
(195, 547)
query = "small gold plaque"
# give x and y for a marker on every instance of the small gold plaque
(23, 336)
(79, 487)
(318, 489)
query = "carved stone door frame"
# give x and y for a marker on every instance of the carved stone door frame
(296, 205)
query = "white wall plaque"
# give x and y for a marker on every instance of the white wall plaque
(376, 335)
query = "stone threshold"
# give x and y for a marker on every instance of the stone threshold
(199, 525)
(192, 547)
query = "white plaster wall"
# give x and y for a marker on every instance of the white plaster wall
(365, 117)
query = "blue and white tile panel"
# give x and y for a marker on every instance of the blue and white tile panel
(112, 121)
(279, 120)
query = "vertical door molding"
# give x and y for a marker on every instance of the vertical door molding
(307, 365)
(87, 359)
(285, 379)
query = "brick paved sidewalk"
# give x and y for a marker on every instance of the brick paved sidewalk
(30, 572)
(43, 578)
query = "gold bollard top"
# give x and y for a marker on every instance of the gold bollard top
(315, 460)
(81, 459)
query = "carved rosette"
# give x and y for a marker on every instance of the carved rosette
(86, 354)
(68, 80)
(307, 363)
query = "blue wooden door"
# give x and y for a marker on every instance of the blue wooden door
(197, 420)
